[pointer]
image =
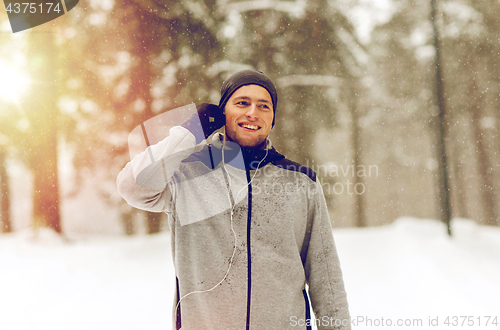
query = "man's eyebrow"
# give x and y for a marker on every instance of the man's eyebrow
(242, 97)
(248, 98)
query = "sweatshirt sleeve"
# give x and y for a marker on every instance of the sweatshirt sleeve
(144, 182)
(322, 267)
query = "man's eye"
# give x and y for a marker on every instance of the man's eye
(242, 103)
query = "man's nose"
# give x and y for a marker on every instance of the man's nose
(252, 112)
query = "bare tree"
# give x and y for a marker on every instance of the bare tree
(43, 115)
(5, 223)
(487, 189)
(441, 131)
(360, 220)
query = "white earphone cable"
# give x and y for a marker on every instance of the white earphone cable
(233, 205)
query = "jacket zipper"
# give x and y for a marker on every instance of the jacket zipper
(249, 250)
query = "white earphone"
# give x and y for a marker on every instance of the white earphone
(233, 205)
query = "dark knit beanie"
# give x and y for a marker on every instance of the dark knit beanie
(247, 77)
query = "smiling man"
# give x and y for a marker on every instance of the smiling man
(249, 116)
(251, 238)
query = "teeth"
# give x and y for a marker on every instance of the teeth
(250, 126)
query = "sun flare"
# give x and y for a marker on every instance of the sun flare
(13, 83)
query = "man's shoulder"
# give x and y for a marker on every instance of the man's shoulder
(290, 165)
(210, 156)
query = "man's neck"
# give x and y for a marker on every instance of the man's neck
(262, 145)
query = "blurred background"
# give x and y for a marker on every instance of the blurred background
(395, 105)
(380, 98)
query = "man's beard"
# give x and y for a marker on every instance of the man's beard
(260, 145)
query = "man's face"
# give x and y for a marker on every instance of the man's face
(249, 116)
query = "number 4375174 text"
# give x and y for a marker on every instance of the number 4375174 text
(32, 8)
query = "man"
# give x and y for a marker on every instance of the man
(251, 237)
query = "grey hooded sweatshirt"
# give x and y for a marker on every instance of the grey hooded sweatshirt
(251, 237)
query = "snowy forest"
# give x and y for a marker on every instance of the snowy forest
(374, 97)
(394, 104)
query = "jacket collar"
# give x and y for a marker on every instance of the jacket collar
(218, 140)
(252, 157)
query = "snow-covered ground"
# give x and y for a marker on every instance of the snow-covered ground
(408, 272)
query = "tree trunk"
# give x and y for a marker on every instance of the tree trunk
(5, 224)
(153, 222)
(143, 42)
(458, 180)
(443, 187)
(127, 214)
(356, 150)
(485, 169)
(42, 111)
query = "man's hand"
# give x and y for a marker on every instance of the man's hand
(211, 119)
